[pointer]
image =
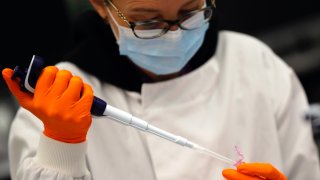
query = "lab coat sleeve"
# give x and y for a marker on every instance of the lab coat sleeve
(35, 156)
(299, 151)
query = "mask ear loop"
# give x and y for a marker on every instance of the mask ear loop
(112, 27)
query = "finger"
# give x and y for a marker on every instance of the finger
(45, 80)
(261, 169)
(61, 82)
(231, 174)
(87, 95)
(85, 102)
(73, 92)
(24, 99)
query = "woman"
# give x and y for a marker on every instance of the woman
(165, 62)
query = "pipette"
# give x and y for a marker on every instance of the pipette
(128, 119)
(28, 78)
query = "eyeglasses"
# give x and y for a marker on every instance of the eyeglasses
(159, 27)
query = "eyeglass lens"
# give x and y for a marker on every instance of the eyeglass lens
(157, 28)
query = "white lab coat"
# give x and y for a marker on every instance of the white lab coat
(244, 95)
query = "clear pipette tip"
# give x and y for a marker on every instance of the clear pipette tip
(219, 156)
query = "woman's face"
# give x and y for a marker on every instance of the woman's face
(140, 10)
(137, 10)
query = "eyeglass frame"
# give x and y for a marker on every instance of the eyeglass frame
(171, 23)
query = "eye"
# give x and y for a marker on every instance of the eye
(142, 17)
(151, 26)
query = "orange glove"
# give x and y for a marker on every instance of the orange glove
(253, 171)
(61, 101)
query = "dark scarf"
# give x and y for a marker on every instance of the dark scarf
(97, 53)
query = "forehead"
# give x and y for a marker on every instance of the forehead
(157, 2)
(154, 1)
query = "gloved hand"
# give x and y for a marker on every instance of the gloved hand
(60, 100)
(253, 171)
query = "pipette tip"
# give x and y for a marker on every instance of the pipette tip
(219, 156)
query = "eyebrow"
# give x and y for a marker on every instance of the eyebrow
(150, 10)
(189, 2)
(141, 9)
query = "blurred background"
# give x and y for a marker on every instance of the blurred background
(290, 27)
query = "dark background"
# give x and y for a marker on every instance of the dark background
(43, 28)
(290, 27)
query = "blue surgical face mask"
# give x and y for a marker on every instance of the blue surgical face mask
(163, 55)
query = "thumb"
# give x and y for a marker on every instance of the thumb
(23, 98)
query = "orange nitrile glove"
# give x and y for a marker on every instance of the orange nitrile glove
(253, 171)
(61, 101)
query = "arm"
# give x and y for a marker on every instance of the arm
(298, 151)
(300, 155)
